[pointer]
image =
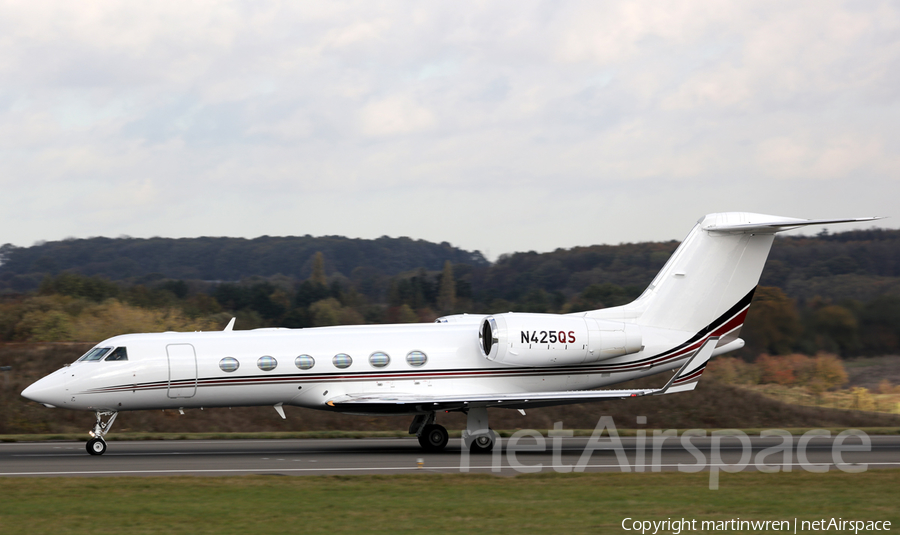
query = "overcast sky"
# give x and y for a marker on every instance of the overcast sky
(502, 126)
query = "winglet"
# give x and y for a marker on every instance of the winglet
(689, 375)
(230, 326)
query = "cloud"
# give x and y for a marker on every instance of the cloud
(548, 124)
(395, 115)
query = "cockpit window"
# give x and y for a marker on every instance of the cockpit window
(119, 353)
(95, 354)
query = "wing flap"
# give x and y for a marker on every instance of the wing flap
(461, 401)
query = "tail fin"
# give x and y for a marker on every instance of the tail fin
(711, 277)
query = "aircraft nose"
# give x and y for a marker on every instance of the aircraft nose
(47, 391)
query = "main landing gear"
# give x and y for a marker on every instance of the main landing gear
(96, 445)
(432, 437)
(477, 438)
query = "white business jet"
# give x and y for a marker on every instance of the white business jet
(692, 311)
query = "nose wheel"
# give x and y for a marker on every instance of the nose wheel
(96, 446)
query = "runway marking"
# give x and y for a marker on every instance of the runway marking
(574, 450)
(198, 453)
(217, 441)
(376, 469)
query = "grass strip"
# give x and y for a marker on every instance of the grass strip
(125, 436)
(433, 503)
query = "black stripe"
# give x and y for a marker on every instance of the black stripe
(704, 332)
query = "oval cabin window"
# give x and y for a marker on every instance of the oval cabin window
(416, 358)
(379, 359)
(342, 360)
(229, 364)
(304, 362)
(266, 363)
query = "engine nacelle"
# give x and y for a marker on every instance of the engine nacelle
(555, 340)
(461, 318)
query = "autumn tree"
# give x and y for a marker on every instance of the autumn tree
(326, 312)
(828, 372)
(318, 270)
(772, 324)
(407, 315)
(834, 328)
(447, 292)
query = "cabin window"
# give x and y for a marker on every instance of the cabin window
(267, 363)
(229, 364)
(304, 362)
(379, 359)
(95, 354)
(416, 358)
(119, 353)
(342, 360)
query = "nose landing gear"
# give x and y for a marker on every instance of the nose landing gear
(97, 445)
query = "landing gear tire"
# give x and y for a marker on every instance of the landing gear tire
(482, 444)
(96, 446)
(433, 438)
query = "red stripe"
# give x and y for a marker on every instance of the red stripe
(688, 378)
(732, 324)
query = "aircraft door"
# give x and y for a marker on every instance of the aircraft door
(182, 370)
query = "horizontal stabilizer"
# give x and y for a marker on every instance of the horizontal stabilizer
(779, 224)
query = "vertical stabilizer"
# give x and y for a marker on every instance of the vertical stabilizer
(711, 275)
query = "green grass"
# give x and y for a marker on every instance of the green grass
(534, 504)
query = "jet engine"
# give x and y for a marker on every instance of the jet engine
(554, 340)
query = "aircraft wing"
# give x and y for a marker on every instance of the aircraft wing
(685, 379)
(402, 402)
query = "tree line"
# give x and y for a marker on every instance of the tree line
(838, 293)
(138, 260)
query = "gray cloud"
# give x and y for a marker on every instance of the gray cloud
(547, 125)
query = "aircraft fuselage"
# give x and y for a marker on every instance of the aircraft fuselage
(189, 370)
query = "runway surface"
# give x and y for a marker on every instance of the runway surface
(402, 455)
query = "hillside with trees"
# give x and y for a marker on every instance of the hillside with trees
(219, 259)
(838, 293)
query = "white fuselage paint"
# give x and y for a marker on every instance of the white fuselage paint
(701, 293)
(455, 365)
